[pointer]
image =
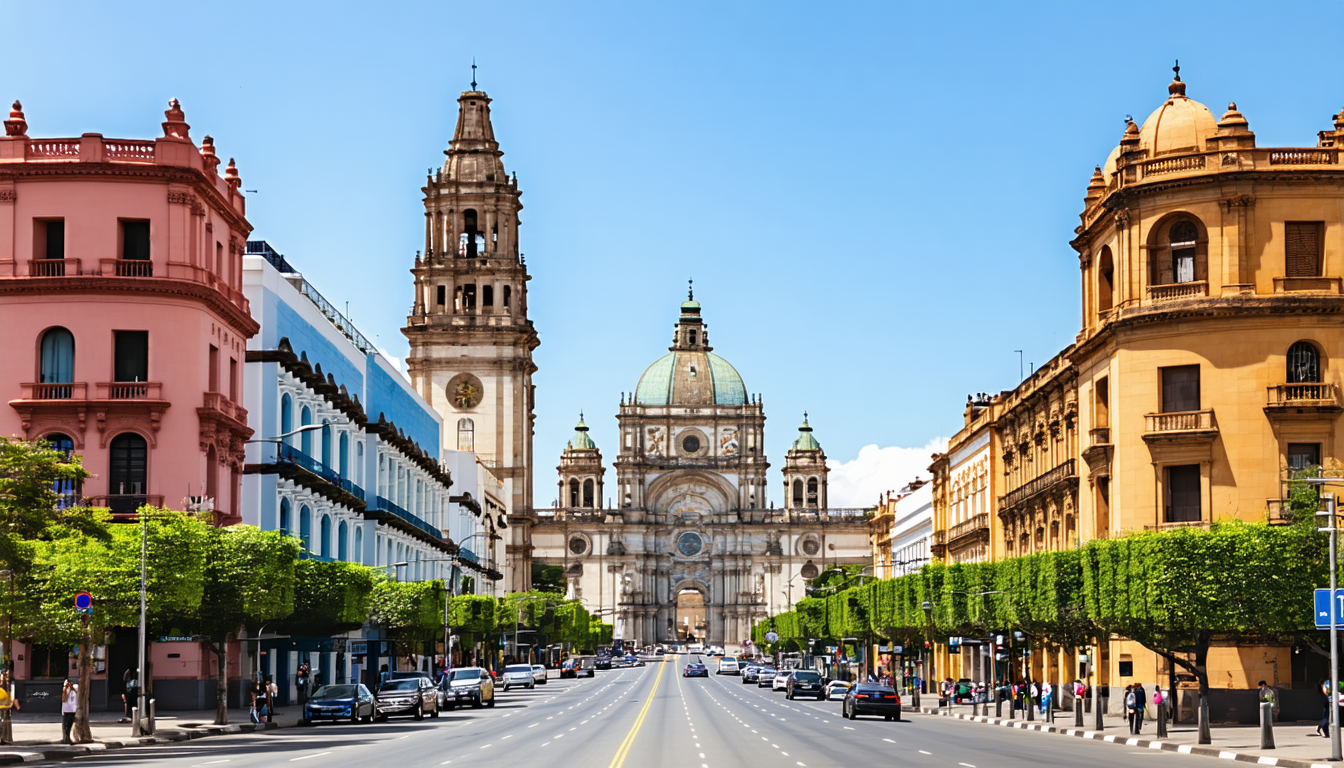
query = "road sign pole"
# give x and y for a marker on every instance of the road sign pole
(1335, 746)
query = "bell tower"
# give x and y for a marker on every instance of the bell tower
(805, 472)
(471, 340)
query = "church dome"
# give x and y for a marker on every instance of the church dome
(581, 441)
(691, 377)
(805, 441)
(1179, 125)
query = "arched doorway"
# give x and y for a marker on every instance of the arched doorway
(691, 623)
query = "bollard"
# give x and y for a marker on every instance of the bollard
(1097, 710)
(998, 704)
(1266, 725)
(1031, 708)
(1162, 720)
(135, 721)
(152, 708)
(1078, 712)
(1205, 735)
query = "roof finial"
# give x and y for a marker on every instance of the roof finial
(690, 290)
(804, 417)
(473, 73)
(1177, 88)
(1177, 70)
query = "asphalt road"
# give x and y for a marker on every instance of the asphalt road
(645, 717)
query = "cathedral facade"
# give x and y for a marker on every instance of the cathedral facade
(692, 550)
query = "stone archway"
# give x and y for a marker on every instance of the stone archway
(689, 615)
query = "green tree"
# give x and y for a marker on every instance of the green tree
(249, 581)
(410, 612)
(548, 578)
(330, 597)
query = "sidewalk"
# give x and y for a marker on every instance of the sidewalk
(38, 737)
(1297, 745)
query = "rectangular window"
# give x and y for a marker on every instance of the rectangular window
(214, 369)
(219, 258)
(1303, 455)
(1180, 388)
(1302, 249)
(442, 295)
(1126, 665)
(1183, 494)
(52, 234)
(131, 353)
(135, 240)
(233, 380)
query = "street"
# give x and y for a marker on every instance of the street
(647, 716)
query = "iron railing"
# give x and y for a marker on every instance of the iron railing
(1039, 484)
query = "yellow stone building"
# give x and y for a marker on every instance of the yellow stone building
(1204, 371)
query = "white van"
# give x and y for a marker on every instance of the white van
(729, 666)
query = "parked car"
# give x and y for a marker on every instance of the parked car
(750, 673)
(872, 699)
(468, 685)
(518, 674)
(765, 676)
(836, 690)
(602, 662)
(695, 670)
(409, 696)
(587, 666)
(781, 681)
(805, 682)
(539, 674)
(568, 667)
(728, 666)
(341, 702)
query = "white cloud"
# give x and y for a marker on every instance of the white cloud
(875, 471)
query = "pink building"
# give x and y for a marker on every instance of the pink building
(124, 322)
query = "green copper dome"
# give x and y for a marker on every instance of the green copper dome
(805, 441)
(581, 441)
(691, 377)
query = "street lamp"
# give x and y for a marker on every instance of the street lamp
(1332, 528)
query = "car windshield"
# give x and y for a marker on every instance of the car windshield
(334, 692)
(464, 674)
(806, 677)
(519, 668)
(538, 668)
(400, 685)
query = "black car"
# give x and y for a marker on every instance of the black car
(410, 696)
(353, 703)
(467, 685)
(695, 670)
(805, 682)
(872, 699)
(603, 662)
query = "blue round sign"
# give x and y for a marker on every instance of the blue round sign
(83, 601)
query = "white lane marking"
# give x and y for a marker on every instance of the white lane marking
(534, 725)
(510, 736)
(305, 757)
(889, 741)
(487, 746)
(445, 762)
(847, 728)
(547, 743)
(786, 754)
(966, 765)
(922, 752)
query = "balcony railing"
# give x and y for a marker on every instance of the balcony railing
(571, 513)
(128, 267)
(1313, 395)
(388, 506)
(1172, 291)
(124, 503)
(1100, 435)
(130, 390)
(939, 537)
(976, 524)
(1181, 421)
(76, 390)
(53, 267)
(1039, 484)
(216, 401)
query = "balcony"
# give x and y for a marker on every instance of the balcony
(1174, 291)
(1098, 453)
(127, 267)
(1099, 436)
(54, 391)
(1328, 285)
(1065, 472)
(222, 405)
(53, 267)
(124, 503)
(406, 517)
(1290, 400)
(129, 390)
(1181, 426)
(969, 532)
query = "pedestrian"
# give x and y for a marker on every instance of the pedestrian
(1130, 701)
(1269, 696)
(1047, 693)
(1158, 698)
(1324, 727)
(130, 697)
(1035, 693)
(272, 699)
(69, 703)
(1140, 702)
(301, 682)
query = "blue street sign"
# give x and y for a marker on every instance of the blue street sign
(83, 602)
(1323, 608)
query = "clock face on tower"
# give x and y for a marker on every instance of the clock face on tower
(689, 544)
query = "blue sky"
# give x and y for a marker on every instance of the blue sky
(875, 200)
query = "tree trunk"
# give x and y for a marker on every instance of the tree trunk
(81, 733)
(1202, 674)
(221, 650)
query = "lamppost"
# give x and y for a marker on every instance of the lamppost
(1332, 527)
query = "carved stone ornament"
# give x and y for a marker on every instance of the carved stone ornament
(1122, 218)
(1230, 159)
(181, 198)
(8, 196)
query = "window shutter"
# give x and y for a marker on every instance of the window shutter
(1302, 249)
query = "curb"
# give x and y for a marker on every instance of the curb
(18, 756)
(1166, 746)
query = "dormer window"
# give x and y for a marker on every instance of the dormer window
(692, 371)
(693, 335)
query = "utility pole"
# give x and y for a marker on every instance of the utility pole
(1332, 527)
(143, 679)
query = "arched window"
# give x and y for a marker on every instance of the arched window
(812, 492)
(306, 528)
(359, 462)
(1105, 280)
(324, 536)
(797, 493)
(326, 444)
(508, 295)
(466, 435)
(286, 416)
(588, 493)
(1304, 363)
(389, 559)
(358, 554)
(306, 438)
(344, 457)
(284, 517)
(127, 469)
(342, 535)
(66, 490)
(58, 362)
(573, 492)
(1184, 239)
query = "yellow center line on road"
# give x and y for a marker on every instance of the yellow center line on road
(619, 759)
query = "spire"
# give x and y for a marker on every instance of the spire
(473, 73)
(805, 441)
(691, 332)
(581, 441)
(690, 290)
(473, 154)
(1177, 88)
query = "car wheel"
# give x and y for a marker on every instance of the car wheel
(492, 702)
(897, 716)
(435, 713)
(451, 707)
(354, 715)
(477, 704)
(419, 713)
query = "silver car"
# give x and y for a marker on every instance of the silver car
(520, 675)
(539, 674)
